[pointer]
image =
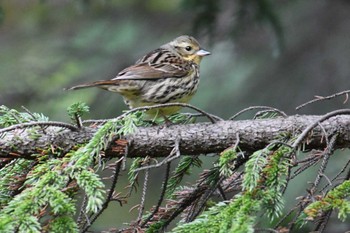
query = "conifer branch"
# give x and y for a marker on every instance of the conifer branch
(199, 138)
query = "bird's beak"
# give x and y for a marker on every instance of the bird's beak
(202, 53)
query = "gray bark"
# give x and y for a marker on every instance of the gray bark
(194, 139)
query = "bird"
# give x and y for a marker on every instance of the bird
(168, 74)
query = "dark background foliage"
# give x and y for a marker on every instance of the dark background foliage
(275, 53)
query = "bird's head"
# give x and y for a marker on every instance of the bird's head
(188, 48)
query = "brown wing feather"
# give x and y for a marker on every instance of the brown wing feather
(156, 65)
(146, 71)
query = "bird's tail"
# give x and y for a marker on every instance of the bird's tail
(93, 84)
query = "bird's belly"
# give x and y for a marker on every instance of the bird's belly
(171, 90)
(165, 91)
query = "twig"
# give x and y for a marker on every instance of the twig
(101, 121)
(315, 156)
(210, 191)
(323, 166)
(324, 220)
(109, 196)
(222, 193)
(289, 172)
(114, 181)
(40, 123)
(323, 118)
(304, 201)
(261, 113)
(161, 198)
(126, 155)
(266, 229)
(319, 98)
(347, 177)
(337, 175)
(326, 177)
(258, 107)
(33, 117)
(203, 200)
(292, 223)
(174, 154)
(78, 120)
(189, 115)
(276, 142)
(211, 117)
(286, 216)
(310, 161)
(237, 141)
(87, 220)
(80, 221)
(184, 204)
(304, 167)
(236, 181)
(324, 132)
(143, 197)
(342, 170)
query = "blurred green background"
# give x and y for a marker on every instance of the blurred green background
(281, 56)
(275, 53)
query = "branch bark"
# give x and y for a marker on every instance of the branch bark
(199, 138)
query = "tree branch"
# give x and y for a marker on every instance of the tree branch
(200, 138)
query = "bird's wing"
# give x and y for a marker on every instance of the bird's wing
(144, 71)
(152, 71)
(157, 64)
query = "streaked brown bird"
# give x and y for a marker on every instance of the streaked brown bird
(169, 74)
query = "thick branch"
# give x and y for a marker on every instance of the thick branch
(200, 138)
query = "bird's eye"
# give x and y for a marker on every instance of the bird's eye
(188, 48)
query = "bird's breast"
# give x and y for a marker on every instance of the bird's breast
(171, 89)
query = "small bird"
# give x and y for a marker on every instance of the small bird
(169, 74)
